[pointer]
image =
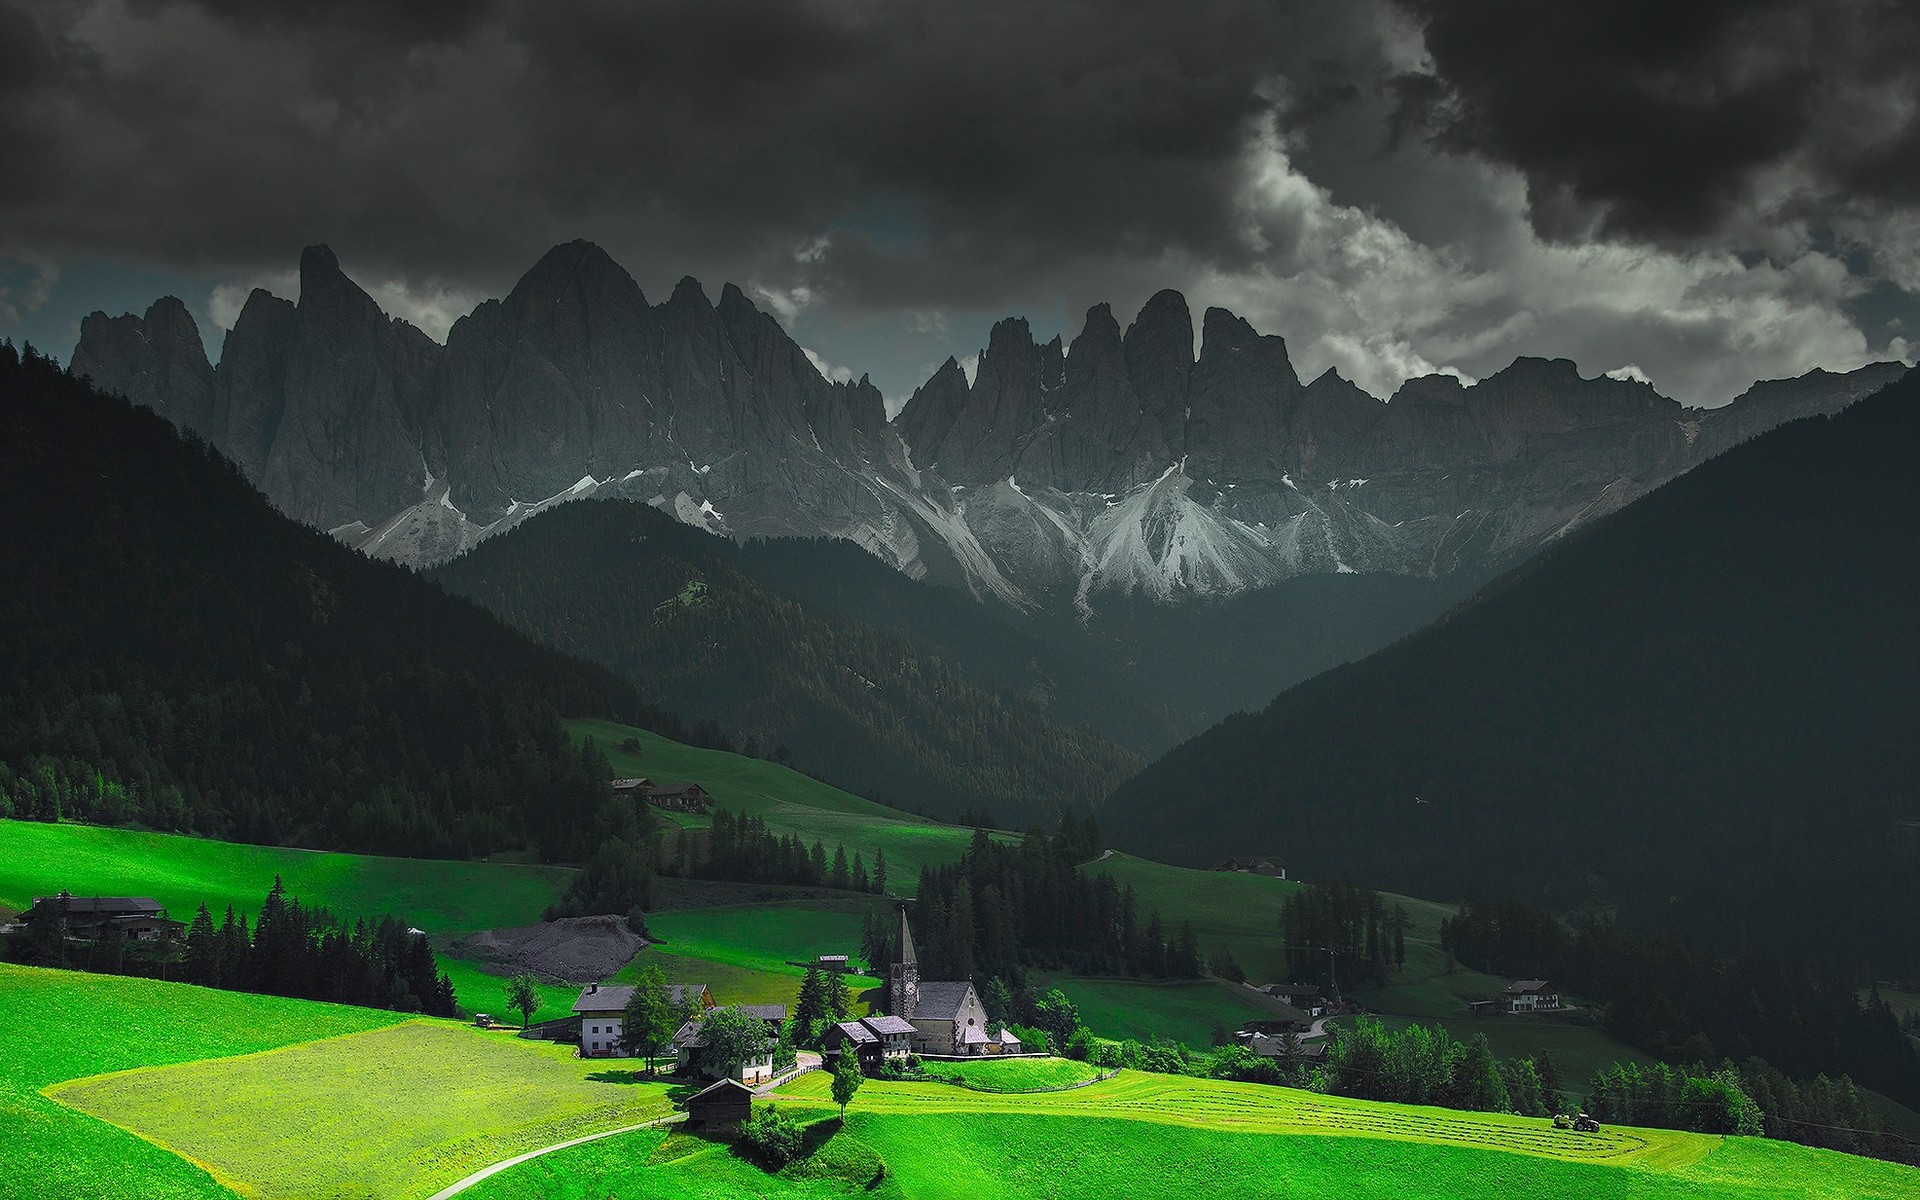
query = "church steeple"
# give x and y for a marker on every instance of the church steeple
(903, 972)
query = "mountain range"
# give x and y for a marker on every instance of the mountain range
(1059, 477)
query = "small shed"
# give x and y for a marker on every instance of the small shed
(832, 962)
(722, 1105)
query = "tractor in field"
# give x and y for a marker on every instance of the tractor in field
(1578, 1123)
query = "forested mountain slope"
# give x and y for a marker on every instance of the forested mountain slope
(176, 653)
(1143, 674)
(674, 610)
(1701, 709)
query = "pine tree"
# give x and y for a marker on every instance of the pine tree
(203, 950)
(839, 876)
(837, 1001)
(811, 1007)
(880, 870)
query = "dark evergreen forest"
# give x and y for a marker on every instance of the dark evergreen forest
(1681, 1003)
(174, 652)
(1698, 712)
(670, 608)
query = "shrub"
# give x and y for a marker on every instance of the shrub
(771, 1138)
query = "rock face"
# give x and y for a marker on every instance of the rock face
(1123, 462)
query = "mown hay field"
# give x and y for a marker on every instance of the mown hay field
(1148, 1137)
(400, 1111)
(64, 1025)
(1014, 1074)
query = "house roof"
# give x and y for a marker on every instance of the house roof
(974, 1035)
(1521, 987)
(724, 1089)
(628, 785)
(857, 1031)
(766, 1012)
(675, 789)
(602, 999)
(1292, 989)
(942, 1000)
(104, 904)
(1007, 1037)
(888, 1024)
(677, 992)
(688, 1036)
(1257, 860)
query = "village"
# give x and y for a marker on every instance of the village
(734, 1051)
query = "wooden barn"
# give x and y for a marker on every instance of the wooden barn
(722, 1105)
(681, 797)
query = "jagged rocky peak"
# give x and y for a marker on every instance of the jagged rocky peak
(1159, 350)
(1097, 349)
(1241, 400)
(689, 293)
(157, 360)
(577, 273)
(327, 295)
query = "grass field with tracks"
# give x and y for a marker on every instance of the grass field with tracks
(1148, 1137)
(1014, 1074)
(62, 1025)
(400, 1111)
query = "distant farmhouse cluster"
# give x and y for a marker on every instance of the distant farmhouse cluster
(136, 918)
(601, 1011)
(1521, 996)
(674, 797)
(1259, 864)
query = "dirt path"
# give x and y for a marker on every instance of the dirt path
(446, 1193)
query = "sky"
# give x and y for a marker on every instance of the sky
(1699, 194)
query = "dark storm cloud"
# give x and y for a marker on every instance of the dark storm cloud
(461, 140)
(1674, 122)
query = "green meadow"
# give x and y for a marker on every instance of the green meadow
(1182, 1010)
(1014, 1074)
(400, 1111)
(755, 953)
(38, 859)
(789, 801)
(63, 1025)
(1151, 1136)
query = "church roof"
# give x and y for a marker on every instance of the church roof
(942, 1000)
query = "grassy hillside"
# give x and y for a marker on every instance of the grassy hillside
(789, 801)
(270, 1097)
(747, 952)
(400, 1111)
(1151, 1136)
(62, 1025)
(439, 896)
(744, 951)
(1228, 910)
